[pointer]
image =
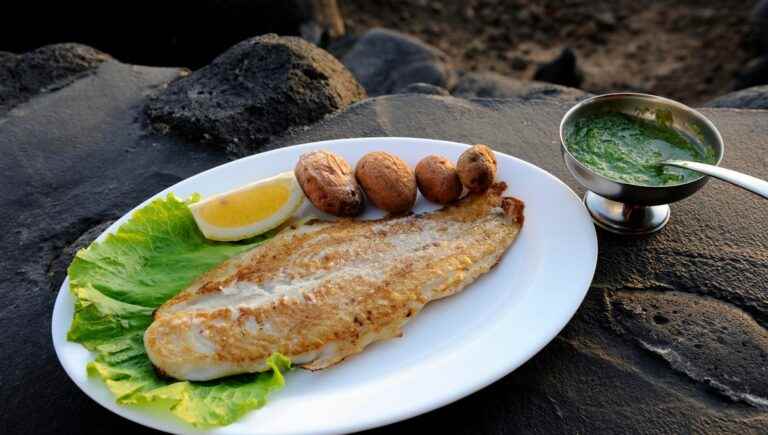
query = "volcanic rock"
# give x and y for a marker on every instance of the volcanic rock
(171, 32)
(385, 61)
(493, 85)
(255, 90)
(750, 98)
(75, 158)
(43, 70)
(423, 88)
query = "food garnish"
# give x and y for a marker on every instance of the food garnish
(249, 210)
(117, 284)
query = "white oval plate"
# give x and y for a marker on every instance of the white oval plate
(455, 347)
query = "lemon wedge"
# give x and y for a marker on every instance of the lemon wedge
(249, 210)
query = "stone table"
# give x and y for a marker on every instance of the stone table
(670, 339)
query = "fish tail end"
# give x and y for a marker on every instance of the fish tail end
(513, 209)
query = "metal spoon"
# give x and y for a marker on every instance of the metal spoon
(747, 182)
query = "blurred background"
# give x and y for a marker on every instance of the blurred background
(685, 49)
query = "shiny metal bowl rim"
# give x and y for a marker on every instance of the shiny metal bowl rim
(619, 95)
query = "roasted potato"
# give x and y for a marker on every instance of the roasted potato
(329, 183)
(387, 181)
(477, 168)
(438, 179)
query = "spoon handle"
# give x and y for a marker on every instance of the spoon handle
(748, 182)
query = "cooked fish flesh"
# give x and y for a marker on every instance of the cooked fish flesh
(325, 290)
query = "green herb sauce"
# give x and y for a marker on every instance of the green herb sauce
(628, 149)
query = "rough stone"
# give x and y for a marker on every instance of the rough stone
(385, 60)
(597, 376)
(751, 98)
(253, 91)
(423, 88)
(493, 85)
(43, 70)
(73, 158)
(707, 340)
(759, 23)
(57, 271)
(171, 32)
(341, 46)
(563, 70)
(754, 73)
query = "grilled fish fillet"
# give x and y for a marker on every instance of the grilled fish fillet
(324, 291)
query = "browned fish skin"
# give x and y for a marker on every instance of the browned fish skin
(324, 291)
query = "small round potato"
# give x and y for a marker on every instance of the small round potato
(438, 180)
(388, 181)
(327, 180)
(477, 168)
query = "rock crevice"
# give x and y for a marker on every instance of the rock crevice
(707, 340)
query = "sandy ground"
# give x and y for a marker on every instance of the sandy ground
(687, 50)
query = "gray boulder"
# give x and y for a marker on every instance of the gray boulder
(47, 68)
(423, 88)
(493, 85)
(385, 61)
(751, 98)
(253, 91)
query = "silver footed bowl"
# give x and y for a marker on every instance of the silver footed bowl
(627, 208)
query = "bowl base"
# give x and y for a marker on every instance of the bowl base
(627, 219)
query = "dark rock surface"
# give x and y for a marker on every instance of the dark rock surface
(57, 270)
(385, 61)
(710, 265)
(751, 98)
(754, 73)
(167, 33)
(341, 46)
(563, 70)
(628, 362)
(253, 91)
(43, 70)
(711, 342)
(759, 22)
(72, 161)
(423, 88)
(493, 85)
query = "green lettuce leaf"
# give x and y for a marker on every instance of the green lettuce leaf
(117, 284)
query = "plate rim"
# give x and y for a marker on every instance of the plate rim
(150, 421)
